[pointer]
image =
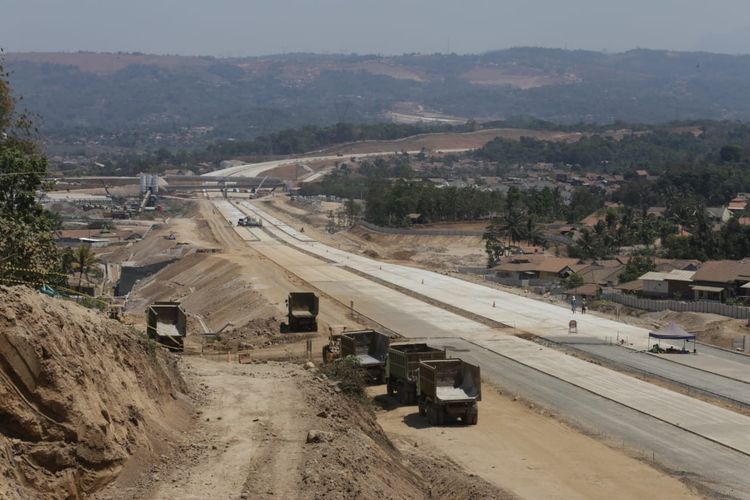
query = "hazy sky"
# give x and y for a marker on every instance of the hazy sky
(255, 27)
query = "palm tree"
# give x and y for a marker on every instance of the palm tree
(534, 235)
(587, 244)
(514, 226)
(84, 261)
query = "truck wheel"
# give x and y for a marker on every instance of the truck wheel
(411, 397)
(389, 388)
(431, 417)
(473, 416)
(400, 393)
(422, 410)
(326, 354)
(440, 415)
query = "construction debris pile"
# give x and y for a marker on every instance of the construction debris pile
(79, 394)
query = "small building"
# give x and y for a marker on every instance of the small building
(631, 287)
(657, 212)
(667, 284)
(594, 218)
(587, 290)
(737, 205)
(529, 267)
(721, 279)
(719, 214)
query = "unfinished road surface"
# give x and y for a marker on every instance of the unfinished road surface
(690, 435)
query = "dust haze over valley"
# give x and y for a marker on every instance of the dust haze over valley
(336, 250)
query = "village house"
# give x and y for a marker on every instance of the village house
(672, 284)
(720, 280)
(719, 214)
(536, 267)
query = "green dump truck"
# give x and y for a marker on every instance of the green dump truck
(167, 324)
(302, 312)
(371, 350)
(449, 389)
(402, 368)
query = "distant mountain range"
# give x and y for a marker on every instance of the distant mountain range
(138, 97)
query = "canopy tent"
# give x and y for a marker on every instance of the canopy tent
(672, 332)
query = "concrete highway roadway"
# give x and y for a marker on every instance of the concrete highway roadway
(257, 169)
(535, 316)
(733, 390)
(655, 401)
(684, 433)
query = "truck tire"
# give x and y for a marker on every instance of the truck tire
(400, 393)
(389, 388)
(431, 416)
(440, 415)
(411, 397)
(326, 354)
(422, 410)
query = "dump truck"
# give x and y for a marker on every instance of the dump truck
(167, 324)
(302, 312)
(449, 389)
(371, 350)
(402, 368)
(250, 222)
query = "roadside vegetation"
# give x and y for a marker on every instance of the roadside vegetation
(27, 252)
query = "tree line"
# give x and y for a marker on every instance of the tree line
(654, 150)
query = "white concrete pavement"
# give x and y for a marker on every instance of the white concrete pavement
(257, 169)
(232, 214)
(535, 316)
(415, 318)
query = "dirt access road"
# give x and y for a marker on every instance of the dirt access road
(247, 442)
(529, 453)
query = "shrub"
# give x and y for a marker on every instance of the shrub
(347, 372)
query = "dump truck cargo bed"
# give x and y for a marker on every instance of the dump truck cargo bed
(302, 312)
(449, 389)
(167, 324)
(453, 394)
(370, 348)
(402, 368)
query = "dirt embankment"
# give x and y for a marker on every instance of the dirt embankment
(441, 253)
(79, 395)
(348, 455)
(710, 329)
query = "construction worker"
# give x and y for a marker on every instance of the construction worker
(584, 305)
(573, 304)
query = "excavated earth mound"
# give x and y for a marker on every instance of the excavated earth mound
(79, 394)
(348, 455)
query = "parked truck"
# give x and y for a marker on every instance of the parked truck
(449, 389)
(402, 368)
(250, 222)
(371, 350)
(167, 324)
(302, 312)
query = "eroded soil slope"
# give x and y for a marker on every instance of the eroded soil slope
(79, 394)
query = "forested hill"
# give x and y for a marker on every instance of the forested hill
(133, 98)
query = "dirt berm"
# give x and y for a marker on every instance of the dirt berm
(349, 456)
(79, 394)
